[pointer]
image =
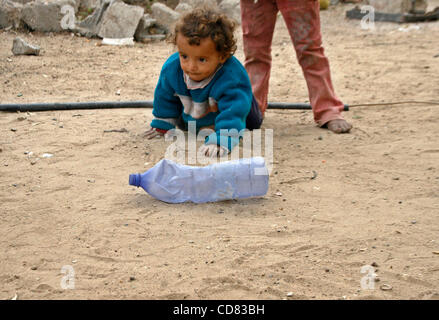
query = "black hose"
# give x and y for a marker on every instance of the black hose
(295, 106)
(23, 107)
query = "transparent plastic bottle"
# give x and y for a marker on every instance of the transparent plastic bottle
(172, 182)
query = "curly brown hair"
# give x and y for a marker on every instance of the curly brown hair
(205, 22)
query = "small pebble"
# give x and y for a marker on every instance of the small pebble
(13, 129)
(33, 268)
(132, 278)
(386, 287)
(289, 294)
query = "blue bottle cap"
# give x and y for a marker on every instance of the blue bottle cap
(135, 179)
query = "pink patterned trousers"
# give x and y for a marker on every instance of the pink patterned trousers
(302, 18)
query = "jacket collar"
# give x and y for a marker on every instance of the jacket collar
(192, 85)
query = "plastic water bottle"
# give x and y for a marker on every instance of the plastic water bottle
(172, 182)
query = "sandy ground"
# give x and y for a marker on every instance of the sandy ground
(374, 202)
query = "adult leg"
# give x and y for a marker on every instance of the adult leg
(258, 22)
(302, 18)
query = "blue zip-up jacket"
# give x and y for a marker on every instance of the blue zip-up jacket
(223, 100)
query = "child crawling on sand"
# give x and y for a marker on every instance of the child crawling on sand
(205, 83)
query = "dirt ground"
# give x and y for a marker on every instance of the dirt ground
(374, 202)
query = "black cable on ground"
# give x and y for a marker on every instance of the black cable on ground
(31, 107)
(23, 107)
(394, 103)
(294, 106)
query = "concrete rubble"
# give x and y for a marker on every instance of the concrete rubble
(90, 26)
(120, 21)
(87, 4)
(398, 11)
(110, 19)
(45, 16)
(21, 47)
(183, 7)
(10, 14)
(148, 30)
(127, 19)
(398, 6)
(165, 15)
(187, 5)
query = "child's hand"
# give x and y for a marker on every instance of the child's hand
(154, 132)
(212, 150)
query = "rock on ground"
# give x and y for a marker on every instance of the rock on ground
(398, 6)
(120, 21)
(10, 14)
(148, 30)
(89, 27)
(46, 16)
(187, 5)
(21, 47)
(164, 15)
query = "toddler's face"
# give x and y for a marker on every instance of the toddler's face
(198, 62)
